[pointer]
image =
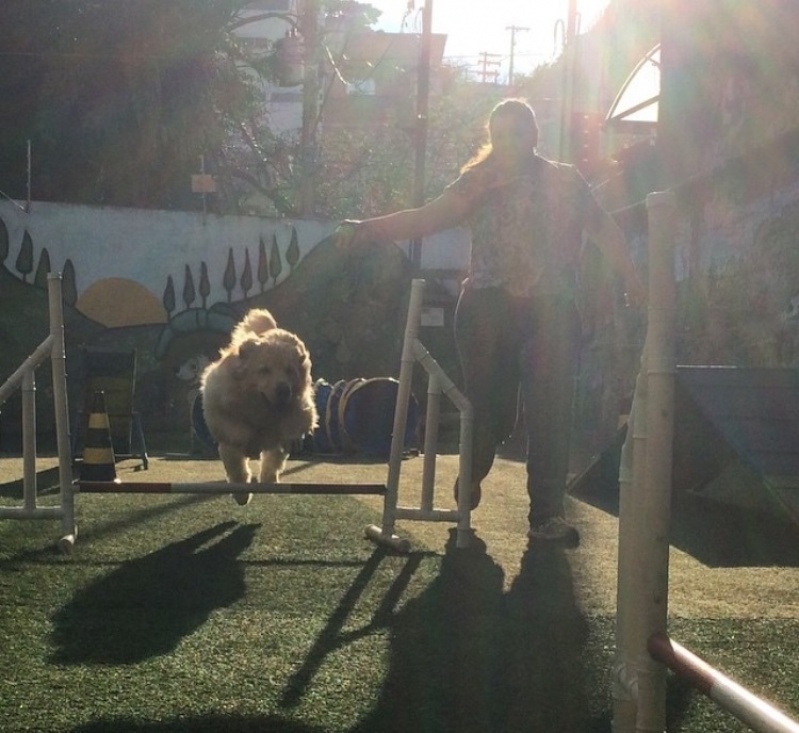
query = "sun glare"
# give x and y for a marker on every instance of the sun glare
(490, 31)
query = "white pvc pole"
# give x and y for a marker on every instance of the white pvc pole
(656, 500)
(60, 404)
(432, 418)
(15, 380)
(29, 440)
(401, 411)
(464, 513)
(644, 511)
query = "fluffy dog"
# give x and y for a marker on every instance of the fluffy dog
(258, 398)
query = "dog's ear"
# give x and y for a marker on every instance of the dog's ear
(303, 358)
(247, 348)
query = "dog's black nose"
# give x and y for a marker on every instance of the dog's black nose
(283, 393)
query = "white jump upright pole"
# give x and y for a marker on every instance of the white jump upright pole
(385, 534)
(438, 382)
(58, 360)
(645, 496)
(24, 378)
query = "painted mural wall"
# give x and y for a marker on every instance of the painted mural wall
(171, 285)
(129, 267)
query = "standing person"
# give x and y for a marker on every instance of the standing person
(517, 324)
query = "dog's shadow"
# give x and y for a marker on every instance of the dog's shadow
(145, 607)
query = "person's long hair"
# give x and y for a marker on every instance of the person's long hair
(526, 124)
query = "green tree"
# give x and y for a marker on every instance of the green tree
(246, 274)
(293, 250)
(4, 243)
(69, 287)
(370, 170)
(275, 262)
(189, 293)
(205, 284)
(120, 98)
(168, 299)
(229, 278)
(43, 269)
(263, 264)
(24, 261)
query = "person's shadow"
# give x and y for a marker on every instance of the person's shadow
(546, 685)
(146, 606)
(466, 656)
(444, 654)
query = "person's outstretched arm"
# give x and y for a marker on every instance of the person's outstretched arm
(448, 210)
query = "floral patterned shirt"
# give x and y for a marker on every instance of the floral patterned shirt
(527, 229)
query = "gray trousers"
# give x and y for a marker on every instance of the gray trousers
(519, 358)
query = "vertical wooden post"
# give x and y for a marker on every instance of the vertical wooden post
(645, 496)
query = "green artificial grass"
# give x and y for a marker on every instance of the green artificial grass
(187, 613)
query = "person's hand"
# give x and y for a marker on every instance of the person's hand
(346, 235)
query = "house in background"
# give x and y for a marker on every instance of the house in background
(269, 29)
(361, 75)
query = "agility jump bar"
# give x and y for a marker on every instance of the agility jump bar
(154, 487)
(756, 713)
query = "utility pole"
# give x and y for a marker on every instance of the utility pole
(570, 60)
(513, 30)
(422, 105)
(309, 30)
(489, 60)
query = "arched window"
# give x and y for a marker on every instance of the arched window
(635, 108)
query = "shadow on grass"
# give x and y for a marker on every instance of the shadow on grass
(145, 607)
(204, 724)
(719, 535)
(466, 656)
(47, 482)
(332, 638)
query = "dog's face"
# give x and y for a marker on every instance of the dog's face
(276, 365)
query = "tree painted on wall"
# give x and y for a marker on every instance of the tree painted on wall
(246, 275)
(69, 288)
(275, 264)
(189, 293)
(293, 251)
(24, 262)
(263, 264)
(43, 269)
(169, 295)
(205, 284)
(3, 241)
(229, 280)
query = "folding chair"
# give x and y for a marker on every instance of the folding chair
(112, 372)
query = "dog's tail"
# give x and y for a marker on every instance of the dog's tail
(257, 321)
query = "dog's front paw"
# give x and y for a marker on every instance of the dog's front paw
(242, 497)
